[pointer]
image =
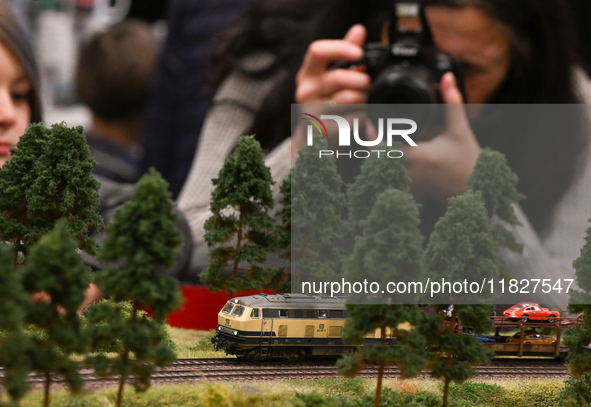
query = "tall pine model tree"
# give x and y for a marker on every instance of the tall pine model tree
(318, 210)
(141, 240)
(387, 251)
(284, 229)
(54, 267)
(14, 344)
(283, 233)
(49, 178)
(377, 174)
(497, 183)
(461, 247)
(578, 338)
(241, 231)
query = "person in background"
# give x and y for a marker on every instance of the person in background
(113, 79)
(512, 52)
(113, 75)
(20, 105)
(19, 83)
(181, 91)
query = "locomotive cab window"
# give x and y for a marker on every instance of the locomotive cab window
(255, 313)
(282, 313)
(322, 313)
(227, 308)
(237, 311)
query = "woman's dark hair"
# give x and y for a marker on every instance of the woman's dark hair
(14, 38)
(542, 71)
(544, 56)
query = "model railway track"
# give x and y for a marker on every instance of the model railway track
(195, 370)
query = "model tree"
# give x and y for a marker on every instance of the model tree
(55, 268)
(14, 343)
(497, 183)
(241, 231)
(377, 174)
(461, 247)
(283, 234)
(141, 240)
(577, 338)
(318, 211)
(387, 251)
(48, 178)
(16, 177)
(284, 229)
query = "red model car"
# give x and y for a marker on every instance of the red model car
(526, 311)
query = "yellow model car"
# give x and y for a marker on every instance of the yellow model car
(532, 337)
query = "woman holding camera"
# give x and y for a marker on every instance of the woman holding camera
(512, 52)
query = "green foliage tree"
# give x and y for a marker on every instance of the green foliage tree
(55, 268)
(461, 247)
(241, 231)
(387, 251)
(141, 241)
(318, 211)
(497, 183)
(576, 391)
(12, 294)
(49, 178)
(578, 338)
(377, 174)
(14, 343)
(284, 229)
(16, 177)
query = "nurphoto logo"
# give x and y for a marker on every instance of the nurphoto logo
(392, 129)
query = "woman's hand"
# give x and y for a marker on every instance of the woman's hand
(316, 84)
(441, 166)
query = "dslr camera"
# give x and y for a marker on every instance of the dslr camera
(407, 70)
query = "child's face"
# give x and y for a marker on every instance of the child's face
(15, 111)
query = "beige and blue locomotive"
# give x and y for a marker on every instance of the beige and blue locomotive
(291, 326)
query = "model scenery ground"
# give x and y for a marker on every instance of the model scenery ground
(500, 393)
(195, 344)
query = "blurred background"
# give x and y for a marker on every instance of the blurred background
(141, 101)
(58, 28)
(172, 82)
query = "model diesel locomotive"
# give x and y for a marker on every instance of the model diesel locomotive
(300, 326)
(290, 326)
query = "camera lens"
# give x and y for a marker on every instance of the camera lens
(410, 89)
(400, 85)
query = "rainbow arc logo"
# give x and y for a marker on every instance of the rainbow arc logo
(316, 124)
